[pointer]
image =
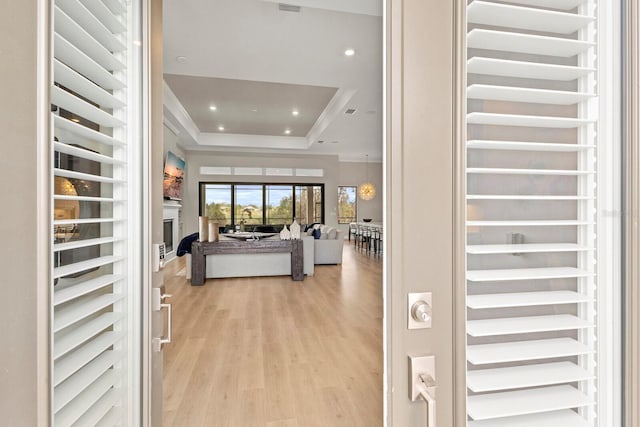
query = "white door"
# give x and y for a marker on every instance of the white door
(502, 159)
(96, 212)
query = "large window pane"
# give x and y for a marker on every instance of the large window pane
(217, 203)
(248, 204)
(318, 204)
(279, 204)
(347, 205)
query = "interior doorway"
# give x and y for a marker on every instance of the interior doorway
(265, 95)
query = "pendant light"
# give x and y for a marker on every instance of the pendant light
(366, 190)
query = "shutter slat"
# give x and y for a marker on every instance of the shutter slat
(74, 130)
(81, 309)
(77, 36)
(71, 388)
(520, 120)
(525, 274)
(86, 154)
(115, 6)
(564, 418)
(70, 79)
(522, 402)
(86, 198)
(484, 380)
(525, 69)
(524, 299)
(71, 413)
(82, 108)
(552, 4)
(105, 15)
(519, 351)
(512, 171)
(69, 292)
(526, 146)
(84, 243)
(86, 176)
(519, 94)
(529, 223)
(76, 59)
(504, 15)
(525, 197)
(525, 325)
(91, 24)
(65, 344)
(84, 221)
(104, 413)
(85, 265)
(526, 43)
(525, 248)
(72, 362)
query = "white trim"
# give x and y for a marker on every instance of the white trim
(146, 203)
(173, 109)
(44, 191)
(609, 217)
(135, 212)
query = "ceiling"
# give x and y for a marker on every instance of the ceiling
(245, 55)
(248, 107)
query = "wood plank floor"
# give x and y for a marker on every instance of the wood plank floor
(274, 352)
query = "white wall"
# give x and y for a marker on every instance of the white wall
(170, 143)
(352, 173)
(20, 255)
(335, 173)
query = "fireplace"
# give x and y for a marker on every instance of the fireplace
(167, 233)
(171, 228)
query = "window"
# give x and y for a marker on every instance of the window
(261, 203)
(279, 204)
(347, 204)
(217, 203)
(248, 204)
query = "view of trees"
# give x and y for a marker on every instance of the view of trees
(347, 205)
(248, 208)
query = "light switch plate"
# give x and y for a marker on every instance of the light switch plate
(412, 298)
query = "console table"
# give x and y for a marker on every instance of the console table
(200, 250)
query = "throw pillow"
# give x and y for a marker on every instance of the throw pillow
(310, 232)
(332, 234)
(316, 234)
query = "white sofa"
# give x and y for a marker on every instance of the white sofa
(327, 250)
(251, 265)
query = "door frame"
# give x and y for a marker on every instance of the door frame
(631, 210)
(450, 18)
(393, 135)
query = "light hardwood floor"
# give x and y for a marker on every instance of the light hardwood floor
(273, 352)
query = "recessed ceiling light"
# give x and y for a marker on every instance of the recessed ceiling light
(181, 59)
(349, 52)
(75, 120)
(295, 112)
(287, 131)
(254, 110)
(221, 128)
(213, 107)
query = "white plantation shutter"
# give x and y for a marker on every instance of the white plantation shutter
(92, 147)
(532, 122)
